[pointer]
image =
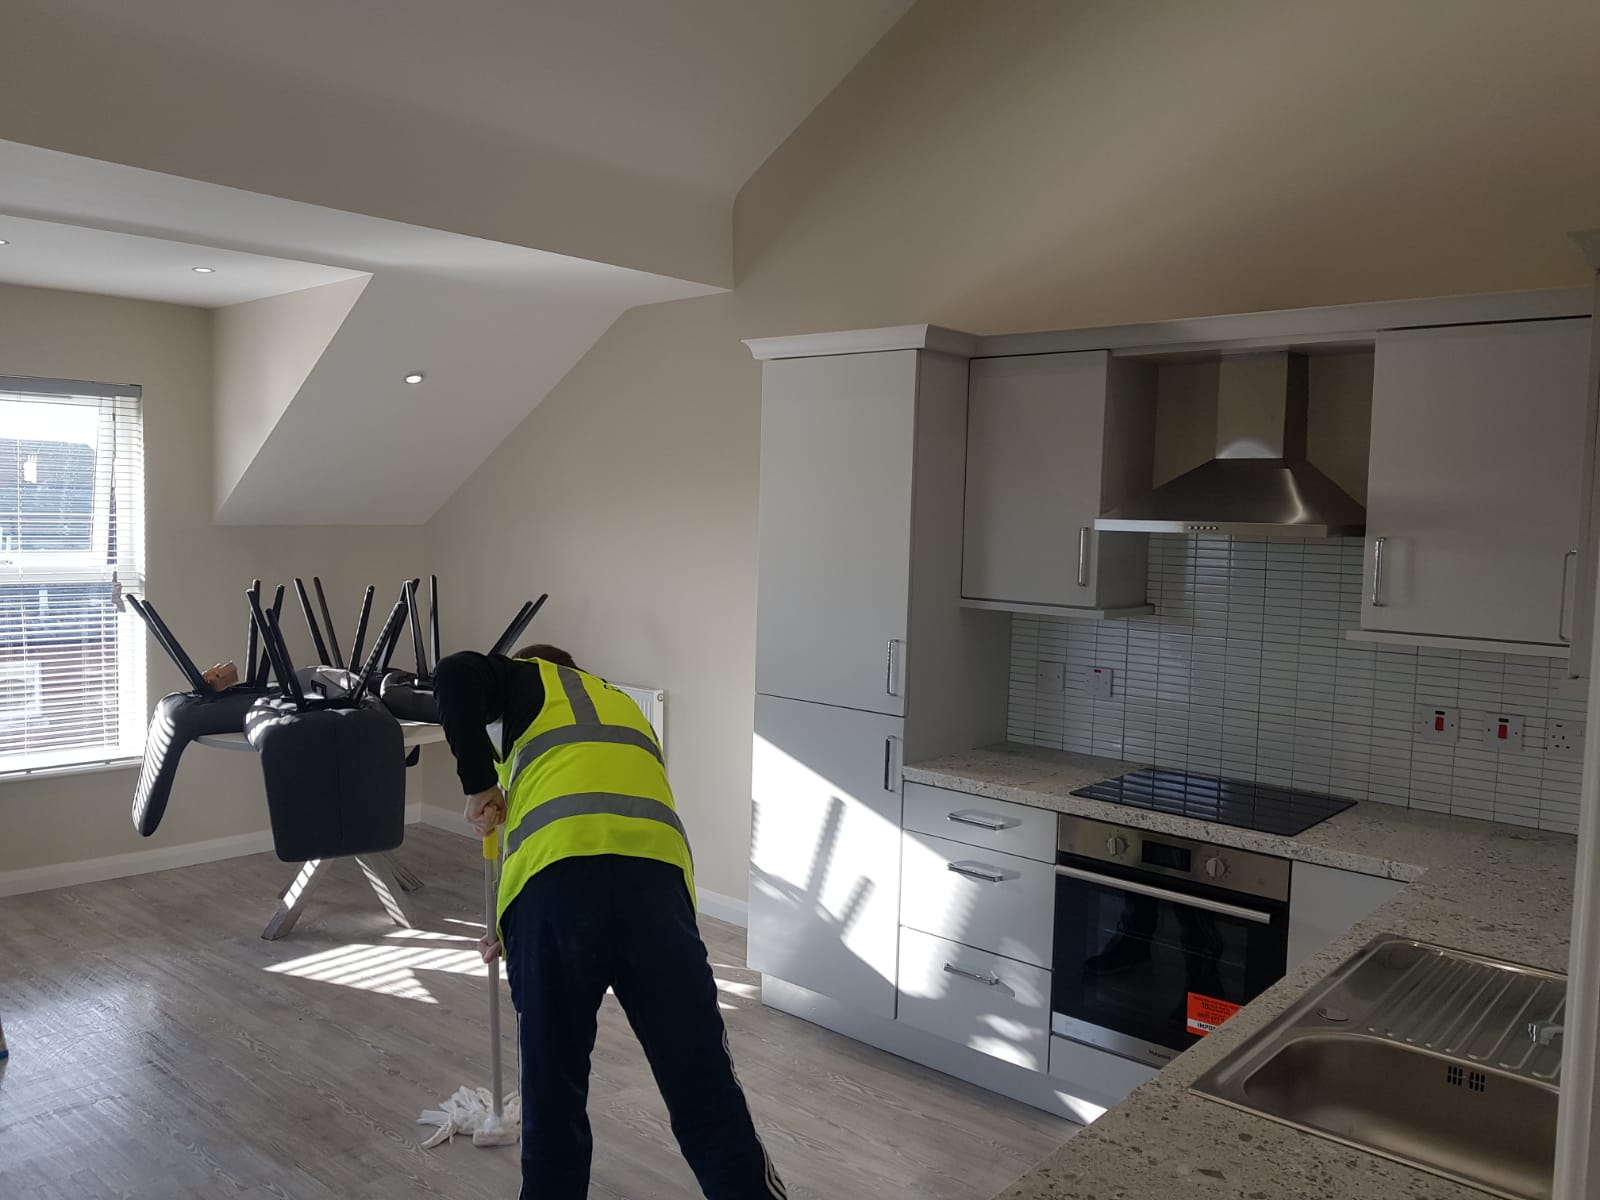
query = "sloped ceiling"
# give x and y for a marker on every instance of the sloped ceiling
(613, 130)
(496, 180)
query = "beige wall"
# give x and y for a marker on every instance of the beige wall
(628, 498)
(1013, 166)
(197, 572)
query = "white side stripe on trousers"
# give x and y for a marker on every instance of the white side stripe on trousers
(774, 1184)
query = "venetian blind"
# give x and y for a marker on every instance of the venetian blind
(72, 678)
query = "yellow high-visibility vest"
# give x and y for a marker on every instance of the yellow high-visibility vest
(586, 778)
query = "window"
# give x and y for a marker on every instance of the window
(72, 674)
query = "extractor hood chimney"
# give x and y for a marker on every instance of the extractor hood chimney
(1259, 483)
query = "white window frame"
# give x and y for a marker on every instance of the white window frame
(121, 420)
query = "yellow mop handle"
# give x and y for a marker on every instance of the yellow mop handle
(491, 845)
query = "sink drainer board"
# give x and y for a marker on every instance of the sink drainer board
(1421, 1054)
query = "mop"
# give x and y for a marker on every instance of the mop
(480, 1111)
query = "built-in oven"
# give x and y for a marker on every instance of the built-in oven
(1160, 939)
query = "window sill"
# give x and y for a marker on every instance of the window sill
(96, 767)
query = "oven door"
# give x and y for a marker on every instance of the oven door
(1145, 968)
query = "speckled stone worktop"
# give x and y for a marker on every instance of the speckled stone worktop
(1491, 889)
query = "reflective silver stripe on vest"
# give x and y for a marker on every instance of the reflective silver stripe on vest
(567, 735)
(583, 709)
(581, 804)
(587, 729)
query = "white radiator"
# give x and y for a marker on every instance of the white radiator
(652, 703)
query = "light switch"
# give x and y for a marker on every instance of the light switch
(1051, 677)
(1503, 732)
(1100, 682)
(1438, 724)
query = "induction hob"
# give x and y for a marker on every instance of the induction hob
(1259, 806)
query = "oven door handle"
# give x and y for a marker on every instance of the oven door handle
(1145, 889)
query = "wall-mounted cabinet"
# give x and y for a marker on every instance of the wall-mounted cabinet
(1475, 483)
(1053, 440)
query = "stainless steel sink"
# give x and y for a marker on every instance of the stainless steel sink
(1444, 1060)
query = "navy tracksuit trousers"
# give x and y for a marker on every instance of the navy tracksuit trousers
(583, 925)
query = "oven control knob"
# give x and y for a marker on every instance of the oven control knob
(1116, 845)
(1216, 868)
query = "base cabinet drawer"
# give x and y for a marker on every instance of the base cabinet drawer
(991, 901)
(983, 1001)
(980, 821)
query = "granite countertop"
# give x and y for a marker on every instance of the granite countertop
(1472, 885)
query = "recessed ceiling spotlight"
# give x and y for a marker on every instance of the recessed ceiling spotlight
(204, 270)
(414, 377)
(3, 242)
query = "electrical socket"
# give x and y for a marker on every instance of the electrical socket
(1101, 682)
(1564, 739)
(1051, 677)
(1438, 724)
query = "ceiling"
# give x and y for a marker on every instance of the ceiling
(506, 177)
(74, 258)
(342, 440)
(697, 92)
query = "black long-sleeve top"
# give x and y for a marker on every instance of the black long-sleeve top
(474, 690)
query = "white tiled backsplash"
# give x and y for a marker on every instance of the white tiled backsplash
(1244, 672)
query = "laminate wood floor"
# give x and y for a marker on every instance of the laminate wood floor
(161, 1049)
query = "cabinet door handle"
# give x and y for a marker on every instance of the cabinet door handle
(1377, 571)
(1561, 619)
(1083, 557)
(988, 876)
(976, 822)
(986, 980)
(889, 673)
(888, 758)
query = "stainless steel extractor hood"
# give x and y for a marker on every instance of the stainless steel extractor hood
(1259, 483)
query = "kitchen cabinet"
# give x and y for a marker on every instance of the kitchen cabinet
(986, 900)
(994, 825)
(864, 656)
(1054, 440)
(986, 1002)
(1476, 482)
(1325, 903)
(1587, 567)
(837, 439)
(825, 850)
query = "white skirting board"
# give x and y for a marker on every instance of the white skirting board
(136, 862)
(1031, 1087)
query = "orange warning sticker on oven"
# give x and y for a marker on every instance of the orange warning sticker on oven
(1207, 1012)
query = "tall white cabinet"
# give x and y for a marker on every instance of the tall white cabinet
(863, 653)
(1476, 479)
(837, 439)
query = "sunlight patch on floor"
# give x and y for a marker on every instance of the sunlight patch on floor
(386, 970)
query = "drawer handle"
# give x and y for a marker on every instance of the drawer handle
(977, 822)
(986, 980)
(976, 873)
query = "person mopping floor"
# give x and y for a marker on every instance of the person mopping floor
(596, 892)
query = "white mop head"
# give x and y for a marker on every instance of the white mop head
(471, 1111)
